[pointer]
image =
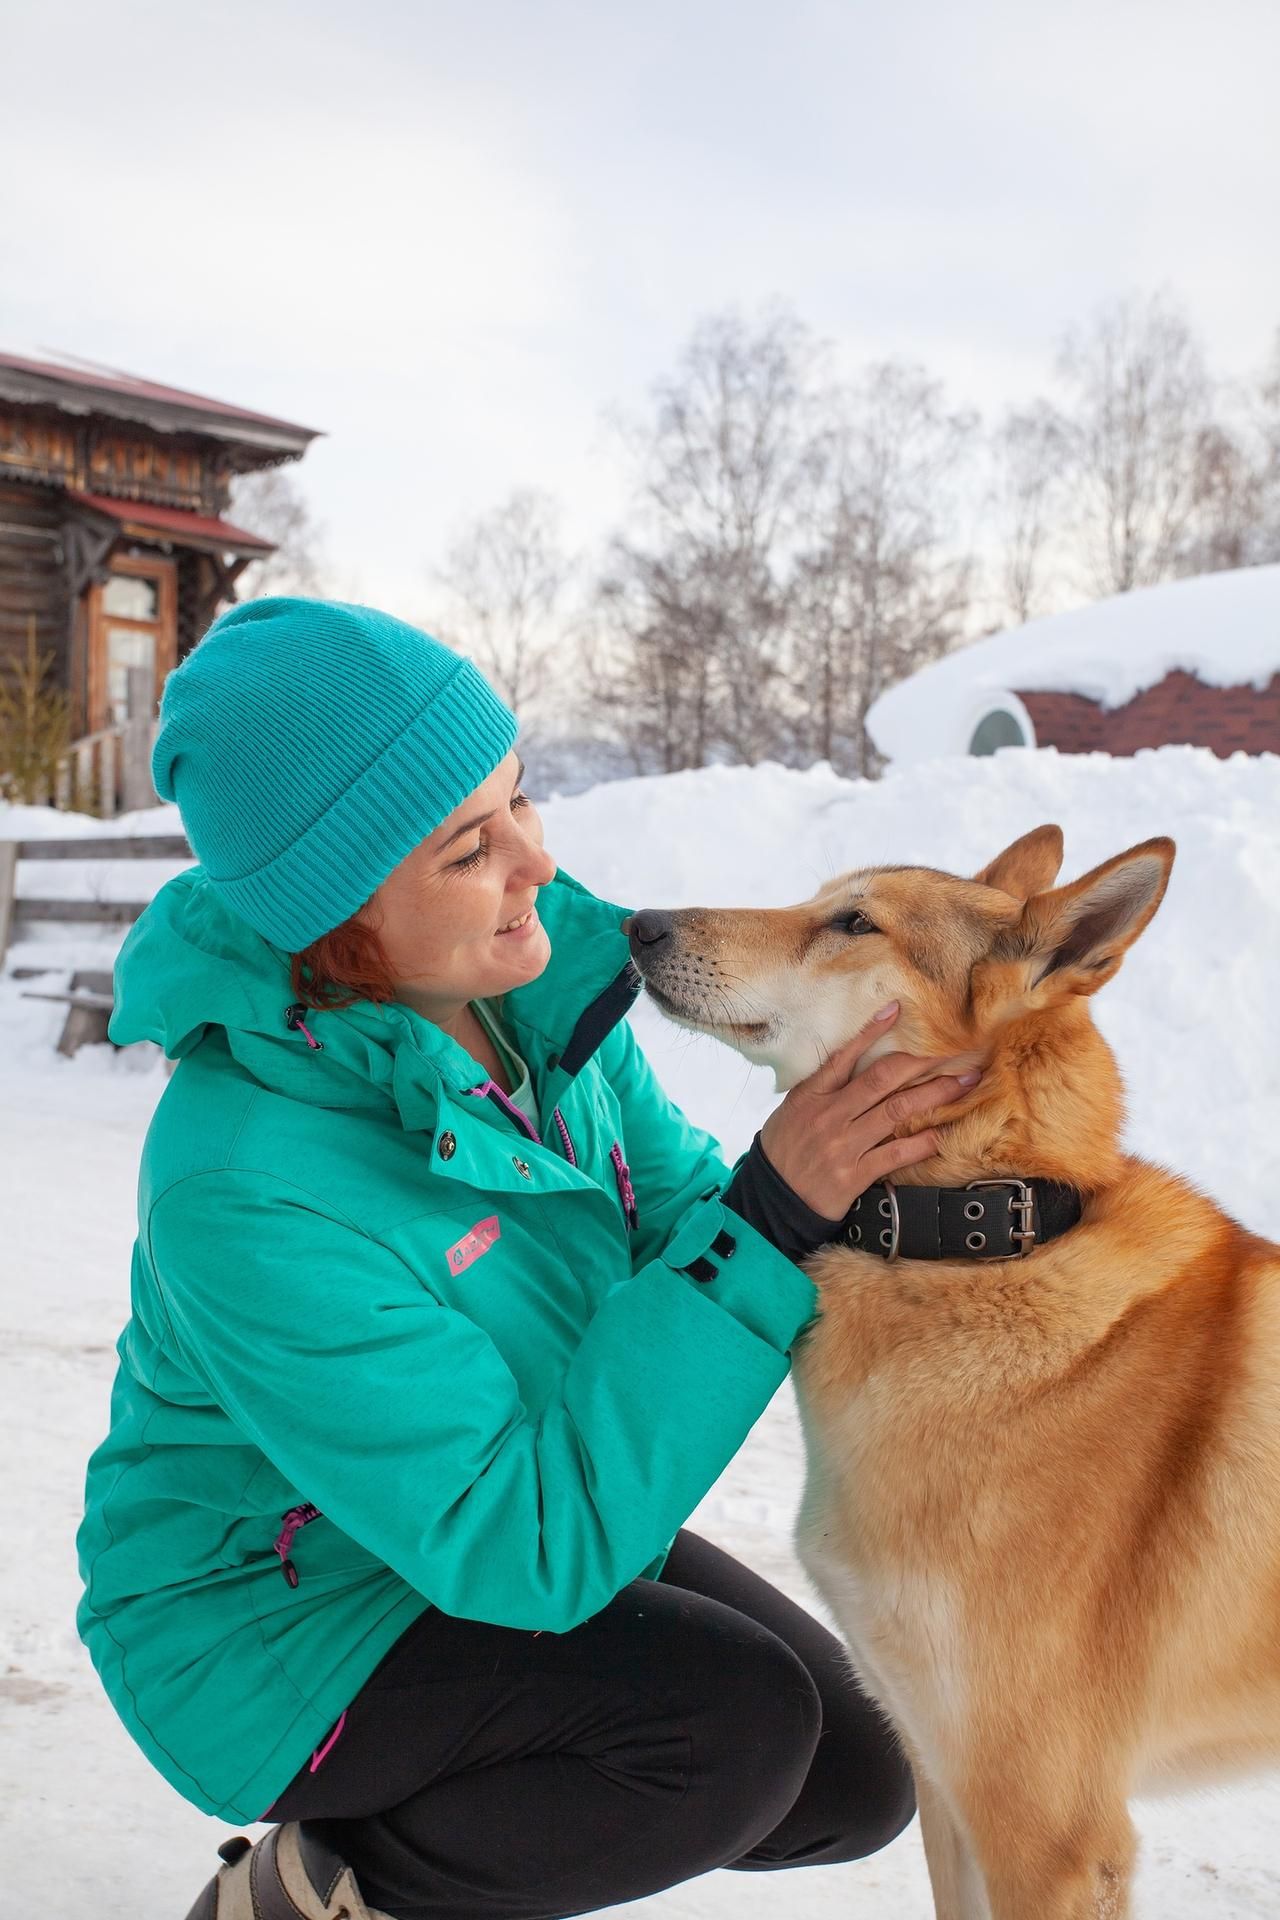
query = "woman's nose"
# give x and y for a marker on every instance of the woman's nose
(542, 867)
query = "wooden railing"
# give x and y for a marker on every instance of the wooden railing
(17, 910)
(109, 772)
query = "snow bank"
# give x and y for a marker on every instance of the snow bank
(1191, 1017)
(1223, 627)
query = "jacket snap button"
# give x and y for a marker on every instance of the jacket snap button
(448, 1146)
(521, 1167)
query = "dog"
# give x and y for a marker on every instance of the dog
(1043, 1490)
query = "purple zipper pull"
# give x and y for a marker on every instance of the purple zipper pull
(490, 1090)
(295, 1518)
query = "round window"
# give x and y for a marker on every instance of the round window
(997, 729)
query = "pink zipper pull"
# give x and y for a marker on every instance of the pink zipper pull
(294, 1021)
(295, 1518)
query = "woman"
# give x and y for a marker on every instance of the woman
(443, 1321)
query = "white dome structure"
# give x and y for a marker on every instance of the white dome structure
(1216, 631)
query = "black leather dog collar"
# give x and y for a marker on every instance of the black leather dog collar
(985, 1220)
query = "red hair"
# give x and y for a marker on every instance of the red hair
(344, 965)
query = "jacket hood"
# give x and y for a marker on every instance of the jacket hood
(190, 963)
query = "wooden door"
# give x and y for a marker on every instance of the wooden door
(133, 622)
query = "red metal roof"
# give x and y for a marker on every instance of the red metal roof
(192, 528)
(113, 380)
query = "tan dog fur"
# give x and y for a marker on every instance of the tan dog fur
(1043, 1498)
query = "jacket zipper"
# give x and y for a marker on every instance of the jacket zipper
(489, 1089)
(626, 1192)
(569, 1153)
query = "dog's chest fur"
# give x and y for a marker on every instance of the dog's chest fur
(899, 1612)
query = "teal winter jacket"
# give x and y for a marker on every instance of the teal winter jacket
(387, 1350)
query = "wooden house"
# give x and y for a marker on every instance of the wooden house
(113, 540)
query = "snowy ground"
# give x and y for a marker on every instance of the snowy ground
(86, 1828)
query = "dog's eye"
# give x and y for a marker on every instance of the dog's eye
(854, 922)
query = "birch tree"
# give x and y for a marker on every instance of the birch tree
(885, 587)
(506, 573)
(1139, 407)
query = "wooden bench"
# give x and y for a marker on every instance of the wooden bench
(89, 1001)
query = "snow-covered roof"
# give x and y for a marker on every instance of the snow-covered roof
(83, 386)
(1223, 627)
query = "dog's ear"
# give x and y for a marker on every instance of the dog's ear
(1030, 865)
(1076, 936)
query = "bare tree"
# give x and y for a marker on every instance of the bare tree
(1269, 411)
(650, 665)
(1031, 451)
(726, 470)
(882, 590)
(1229, 527)
(271, 503)
(1237, 520)
(1266, 418)
(1140, 405)
(507, 572)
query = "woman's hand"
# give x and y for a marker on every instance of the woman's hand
(832, 1136)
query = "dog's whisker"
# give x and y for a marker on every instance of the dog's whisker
(731, 980)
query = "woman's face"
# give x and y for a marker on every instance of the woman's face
(445, 915)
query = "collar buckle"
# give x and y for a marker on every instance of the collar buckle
(890, 1235)
(1023, 1234)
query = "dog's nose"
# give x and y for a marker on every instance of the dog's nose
(647, 927)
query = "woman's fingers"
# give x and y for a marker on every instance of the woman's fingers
(907, 1102)
(897, 1153)
(834, 1134)
(882, 1080)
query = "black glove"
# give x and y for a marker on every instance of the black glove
(759, 1195)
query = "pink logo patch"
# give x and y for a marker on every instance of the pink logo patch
(473, 1244)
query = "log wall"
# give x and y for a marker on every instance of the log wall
(32, 575)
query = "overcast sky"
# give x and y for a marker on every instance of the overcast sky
(453, 235)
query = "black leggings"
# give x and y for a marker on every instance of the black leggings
(700, 1720)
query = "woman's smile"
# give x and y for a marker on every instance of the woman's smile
(521, 928)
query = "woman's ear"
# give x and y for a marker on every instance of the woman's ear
(1075, 937)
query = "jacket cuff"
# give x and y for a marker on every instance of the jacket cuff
(758, 1192)
(740, 1269)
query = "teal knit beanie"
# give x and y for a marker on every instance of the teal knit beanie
(310, 746)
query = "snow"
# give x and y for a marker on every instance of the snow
(1222, 627)
(1187, 1016)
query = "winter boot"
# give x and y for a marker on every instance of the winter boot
(284, 1877)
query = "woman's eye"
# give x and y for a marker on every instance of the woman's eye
(471, 860)
(855, 922)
